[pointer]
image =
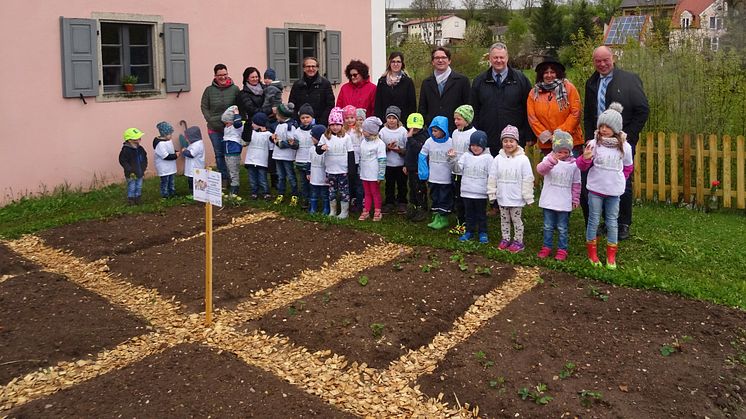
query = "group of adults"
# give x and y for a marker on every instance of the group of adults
(500, 96)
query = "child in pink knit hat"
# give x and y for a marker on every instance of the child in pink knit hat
(339, 157)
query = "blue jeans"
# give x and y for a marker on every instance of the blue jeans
(304, 170)
(556, 220)
(475, 211)
(285, 170)
(167, 186)
(216, 138)
(134, 187)
(441, 197)
(610, 207)
(258, 179)
(321, 193)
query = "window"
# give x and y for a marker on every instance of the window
(98, 53)
(714, 43)
(126, 50)
(301, 44)
(685, 22)
(716, 22)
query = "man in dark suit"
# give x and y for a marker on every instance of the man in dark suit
(498, 97)
(605, 86)
(444, 91)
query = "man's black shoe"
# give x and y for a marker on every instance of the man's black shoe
(623, 232)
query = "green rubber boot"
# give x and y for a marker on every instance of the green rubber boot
(435, 218)
(441, 222)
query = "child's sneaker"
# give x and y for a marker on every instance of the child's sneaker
(483, 238)
(279, 199)
(377, 215)
(465, 237)
(254, 196)
(516, 247)
(267, 197)
(504, 245)
(561, 255)
(544, 252)
(293, 201)
(364, 216)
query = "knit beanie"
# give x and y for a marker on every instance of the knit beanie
(306, 109)
(164, 128)
(317, 131)
(612, 117)
(336, 117)
(286, 109)
(349, 110)
(270, 74)
(393, 111)
(260, 119)
(193, 134)
(466, 112)
(478, 138)
(415, 120)
(561, 140)
(372, 125)
(360, 113)
(509, 132)
(229, 114)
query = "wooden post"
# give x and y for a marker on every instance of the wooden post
(674, 168)
(637, 184)
(700, 168)
(740, 186)
(208, 264)
(662, 167)
(713, 152)
(726, 183)
(687, 168)
(649, 151)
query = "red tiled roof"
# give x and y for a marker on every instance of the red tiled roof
(427, 20)
(695, 7)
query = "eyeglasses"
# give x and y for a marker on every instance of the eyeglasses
(310, 66)
(222, 75)
(353, 75)
(395, 61)
(440, 57)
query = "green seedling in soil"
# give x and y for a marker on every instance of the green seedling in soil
(481, 357)
(588, 397)
(539, 280)
(457, 257)
(517, 345)
(363, 280)
(668, 349)
(498, 384)
(397, 266)
(486, 271)
(567, 371)
(346, 321)
(595, 293)
(326, 297)
(377, 329)
(537, 394)
(434, 261)
(293, 310)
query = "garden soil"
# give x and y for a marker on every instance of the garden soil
(102, 319)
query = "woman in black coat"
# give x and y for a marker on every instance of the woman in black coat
(395, 88)
(251, 97)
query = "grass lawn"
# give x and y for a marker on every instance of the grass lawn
(675, 250)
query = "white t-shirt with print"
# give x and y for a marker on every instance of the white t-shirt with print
(336, 154)
(284, 131)
(475, 170)
(437, 154)
(370, 152)
(162, 150)
(318, 169)
(258, 149)
(305, 144)
(397, 136)
(605, 176)
(556, 194)
(197, 161)
(510, 173)
(461, 141)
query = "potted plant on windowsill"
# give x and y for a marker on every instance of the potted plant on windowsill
(129, 82)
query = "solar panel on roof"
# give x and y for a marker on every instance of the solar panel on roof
(623, 28)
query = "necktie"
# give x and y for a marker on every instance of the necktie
(498, 78)
(602, 94)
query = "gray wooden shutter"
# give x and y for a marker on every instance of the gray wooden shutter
(334, 56)
(176, 39)
(79, 57)
(277, 52)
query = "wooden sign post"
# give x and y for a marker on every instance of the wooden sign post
(207, 189)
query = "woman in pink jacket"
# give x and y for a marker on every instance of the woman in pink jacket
(359, 91)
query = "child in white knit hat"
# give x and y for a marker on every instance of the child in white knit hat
(608, 160)
(372, 167)
(560, 193)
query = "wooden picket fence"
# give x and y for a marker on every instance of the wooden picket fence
(680, 169)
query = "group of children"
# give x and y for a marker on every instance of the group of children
(347, 160)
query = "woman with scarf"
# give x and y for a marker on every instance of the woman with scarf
(251, 97)
(395, 88)
(217, 97)
(554, 103)
(359, 91)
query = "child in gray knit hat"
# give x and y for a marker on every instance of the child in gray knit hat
(608, 160)
(372, 167)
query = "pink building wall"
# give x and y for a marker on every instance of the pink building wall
(49, 140)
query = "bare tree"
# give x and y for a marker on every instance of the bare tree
(429, 11)
(470, 8)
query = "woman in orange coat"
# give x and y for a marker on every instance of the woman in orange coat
(554, 103)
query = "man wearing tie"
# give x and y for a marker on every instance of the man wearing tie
(498, 97)
(605, 86)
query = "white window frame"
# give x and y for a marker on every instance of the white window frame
(714, 43)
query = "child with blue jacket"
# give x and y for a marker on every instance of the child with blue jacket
(433, 166)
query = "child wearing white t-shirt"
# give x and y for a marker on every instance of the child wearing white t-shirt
(317, 175)
(194, 154)
(608, 160)
(474, 169)
(560, 193)
(257, 155)
(511, 183)
(340, 157)
(165, 158)
(433, 166)
(462, 117)
(394, 135)
(372, 168)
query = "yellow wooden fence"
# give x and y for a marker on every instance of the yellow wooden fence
(674, 168)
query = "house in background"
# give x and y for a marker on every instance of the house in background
(439, 31)
(64, 107)
(654, 8)
(699, 22)
(621, 29)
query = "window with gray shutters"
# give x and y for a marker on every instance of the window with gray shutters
(126, 49)
(286, 49)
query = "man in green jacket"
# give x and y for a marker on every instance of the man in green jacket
(216, 98)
